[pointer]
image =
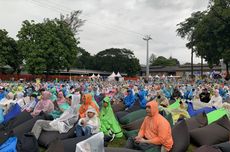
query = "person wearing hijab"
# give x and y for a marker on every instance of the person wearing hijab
(45, 104)
(109, 124)
(86, 102)
(62, 124)
(88, 125)
(155, 131)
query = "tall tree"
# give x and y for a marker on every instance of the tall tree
(10, 54)
(212, 34)
(186, 30)
(48, 46)
(73, 20)
(117, 60)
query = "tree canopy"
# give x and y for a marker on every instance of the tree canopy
(162, 61)
(73, 21)
(208, 32)
(84, 60)
(47, 46)
(117, 60)
(9, 54)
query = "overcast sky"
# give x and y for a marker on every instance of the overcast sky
(113, 23)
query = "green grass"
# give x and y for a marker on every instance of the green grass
(118, 142)
(41, 149)
(191, 148)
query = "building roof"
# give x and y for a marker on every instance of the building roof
(87, 71)
(179, 68)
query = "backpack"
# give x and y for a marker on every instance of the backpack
(27, 143)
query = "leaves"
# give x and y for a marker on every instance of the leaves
(208, 32)
(9, 54)
(47, 46)
(162, 61)
(117, 60)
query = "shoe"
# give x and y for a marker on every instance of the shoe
(112, 137)
(110, 132)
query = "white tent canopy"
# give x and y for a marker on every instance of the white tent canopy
(171, 76)
(118, 75)
(113, 75)
(93, 76)
(98, 76)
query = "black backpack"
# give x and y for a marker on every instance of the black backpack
(27, 143)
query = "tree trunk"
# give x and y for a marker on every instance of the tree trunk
(202, 67)
(192, 63)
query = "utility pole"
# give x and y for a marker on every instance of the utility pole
(147, 38)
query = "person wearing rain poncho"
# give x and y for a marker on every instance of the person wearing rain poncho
(129, 100)
(45, 104)
(88, 125)
(109, 124)
(53, 91)
(61, 105)
(33, 101)
(86, 102)
(6, 103)
(142, 96)
(2, 93)
(216, 100)
(155, 131)
(62, 124)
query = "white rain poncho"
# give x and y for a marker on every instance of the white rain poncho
(93, 144)
(68, 118)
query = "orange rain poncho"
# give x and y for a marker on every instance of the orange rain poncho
(156, 128)
(84, 106)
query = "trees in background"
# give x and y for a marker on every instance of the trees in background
(212, 34)
(162, 61)
(48, 46)
(84, 60)
(117, 60)
(208, 32)
(186, 30)
(10, 54)
(113, 59)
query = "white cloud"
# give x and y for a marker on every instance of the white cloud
(113, 23)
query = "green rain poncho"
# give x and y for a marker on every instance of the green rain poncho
(108, 120)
